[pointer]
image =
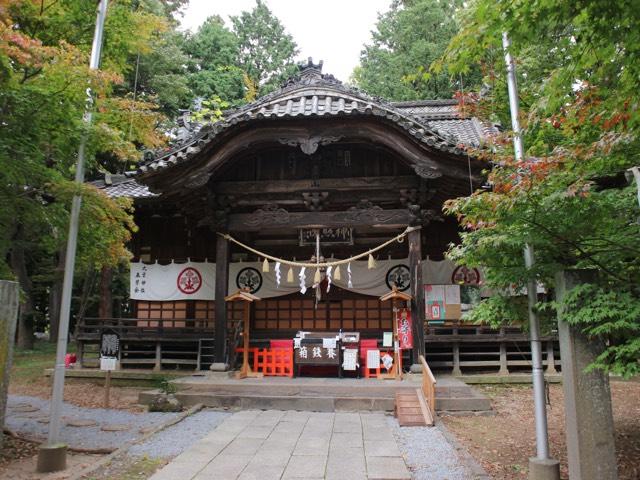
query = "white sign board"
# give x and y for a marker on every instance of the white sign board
(349, 359)
(373, 358)
(108, 363)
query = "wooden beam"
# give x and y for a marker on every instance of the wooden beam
(339, 184)
(278, 218)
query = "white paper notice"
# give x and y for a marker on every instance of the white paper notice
(452, 294)
(349, 358)
(387, 361)
(329, 343)
(373, 358)
(435, 293)
(387, 339)
(108, 363)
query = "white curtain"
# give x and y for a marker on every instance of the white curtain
(162, 282)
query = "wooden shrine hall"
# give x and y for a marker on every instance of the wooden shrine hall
(313, 173)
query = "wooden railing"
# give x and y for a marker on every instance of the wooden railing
(428, 385)
(141, 328)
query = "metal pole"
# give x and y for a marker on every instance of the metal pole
(542, 441)
(70, 260)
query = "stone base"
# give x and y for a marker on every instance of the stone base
(52, 458)
(548, 469)
(219, 367)
(415, 368)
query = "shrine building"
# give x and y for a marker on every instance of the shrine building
(314, 173)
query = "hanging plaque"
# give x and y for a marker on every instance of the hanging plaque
(328, 236)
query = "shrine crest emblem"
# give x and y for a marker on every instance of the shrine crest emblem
(249, 278)
(465, 276)
(189, 281)
(399, 276)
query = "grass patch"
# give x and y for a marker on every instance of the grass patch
(140, 468)
(28, 365)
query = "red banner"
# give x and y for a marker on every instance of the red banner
(405, 329)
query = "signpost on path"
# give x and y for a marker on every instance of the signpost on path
(109, 353)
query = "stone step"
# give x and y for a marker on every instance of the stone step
(316, 394)
(271, 402)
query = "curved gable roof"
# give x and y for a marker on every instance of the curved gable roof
(310, 94)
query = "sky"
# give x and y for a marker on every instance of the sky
(330, 30)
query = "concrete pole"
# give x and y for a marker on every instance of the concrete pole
(540, 467)
(587, 398)
(9, 302)
(52, 456)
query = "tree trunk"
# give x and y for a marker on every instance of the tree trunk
(105, 308)
(19, 267)
(55, 296)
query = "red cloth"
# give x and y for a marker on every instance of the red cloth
(281, 343)
(365, 346)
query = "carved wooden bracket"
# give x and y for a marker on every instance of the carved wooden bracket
(419, 216)
(270, 214)
(309, 145)
(366, 212)
(315, 201)
(216, 220)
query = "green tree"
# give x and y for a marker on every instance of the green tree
(578, 80)
(267, 52)
(213, 58)
(406, 40)
(44, 51)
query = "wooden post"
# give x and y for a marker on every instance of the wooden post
(417, 292)
(79, 353)
(248, 299)
(456, 360)
(504, 369)
(394, 295)
(158, 365)
(504, 366)
(222, 281)
(551, 363)
(107, 388)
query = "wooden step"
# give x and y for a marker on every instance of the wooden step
(412, 410)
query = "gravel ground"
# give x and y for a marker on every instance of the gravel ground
(174, 440)
(33, 423)
(428, 454)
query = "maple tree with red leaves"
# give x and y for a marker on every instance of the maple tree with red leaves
(578, 78)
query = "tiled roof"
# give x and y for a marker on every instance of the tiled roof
(443, 116)
(314, 94)
(116, 186)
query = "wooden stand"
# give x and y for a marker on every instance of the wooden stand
(394, 295)
(248, 299)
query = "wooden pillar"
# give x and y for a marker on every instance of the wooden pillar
(504, 367)
(222, 282)
(79, 353)
(417, 294)
(551, 362)
(158, 365)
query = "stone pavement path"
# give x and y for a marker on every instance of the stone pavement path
(275, 444)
